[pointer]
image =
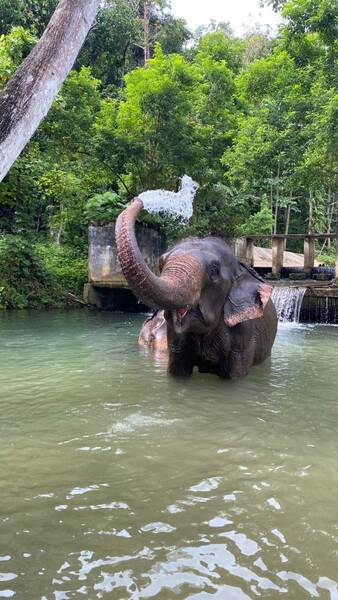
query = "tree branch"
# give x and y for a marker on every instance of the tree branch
(109, 167)
(28, 96)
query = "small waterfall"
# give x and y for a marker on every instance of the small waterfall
(288, 302)
(326, 310)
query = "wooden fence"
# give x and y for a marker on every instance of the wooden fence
(245, 249)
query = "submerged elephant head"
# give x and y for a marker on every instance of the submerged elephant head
(201, 281)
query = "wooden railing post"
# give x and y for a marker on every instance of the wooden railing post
(309, 255)
(244, 250)
(250, 252)
(240, 248)
(277, 256)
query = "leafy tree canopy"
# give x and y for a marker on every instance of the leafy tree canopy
(254, 120)
(31, 14)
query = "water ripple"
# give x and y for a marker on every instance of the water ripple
(117, 482)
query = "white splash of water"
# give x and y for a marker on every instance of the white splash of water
(176, 204)
(288, 303)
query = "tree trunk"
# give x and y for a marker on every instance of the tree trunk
(59, 233)
(277, 200)
(330, 208)
(336, 274)
(287, 219)
(276, 218)
(28, 96)
(310, 213)
(329, 215)
(271, 200)
(124, 62)
(146, 29)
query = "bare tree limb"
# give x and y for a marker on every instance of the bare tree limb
(109, 167)
(28, 96)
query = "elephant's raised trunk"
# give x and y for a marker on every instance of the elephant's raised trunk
(180, 282)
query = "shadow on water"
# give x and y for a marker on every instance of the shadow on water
(119, 482)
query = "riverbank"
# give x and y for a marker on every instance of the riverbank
(38, 273)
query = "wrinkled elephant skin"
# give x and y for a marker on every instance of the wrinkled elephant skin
(213, 312)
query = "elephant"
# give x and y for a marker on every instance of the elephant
(153, 334)
(213, 311)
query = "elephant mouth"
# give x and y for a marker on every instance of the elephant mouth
(188, 313)
(182, 312)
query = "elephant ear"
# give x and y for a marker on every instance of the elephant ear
(247, 298)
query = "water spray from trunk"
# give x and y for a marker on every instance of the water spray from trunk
(177, 204)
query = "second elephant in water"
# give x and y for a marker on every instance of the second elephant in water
(217, 313)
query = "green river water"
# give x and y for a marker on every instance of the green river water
(120, 483)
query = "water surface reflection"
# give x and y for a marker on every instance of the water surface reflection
(117, 482)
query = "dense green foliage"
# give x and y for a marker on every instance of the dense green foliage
(103, 207)
(259, 222)
(253, 120)
(31, 14)
(23, 281)
(14, 47)
(37, 273)
(67, 266)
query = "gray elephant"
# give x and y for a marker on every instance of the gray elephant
(215, 312)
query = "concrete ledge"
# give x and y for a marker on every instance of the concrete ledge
(112, 299)
(103, 263)
(308, 283)
(319, 308)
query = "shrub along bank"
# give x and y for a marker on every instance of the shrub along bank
(39, 274)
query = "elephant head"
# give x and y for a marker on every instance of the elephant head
(201, 281)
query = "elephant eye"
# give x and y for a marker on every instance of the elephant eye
(214, 270)
(161, 262)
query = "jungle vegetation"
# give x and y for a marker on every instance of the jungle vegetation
(252, 119)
